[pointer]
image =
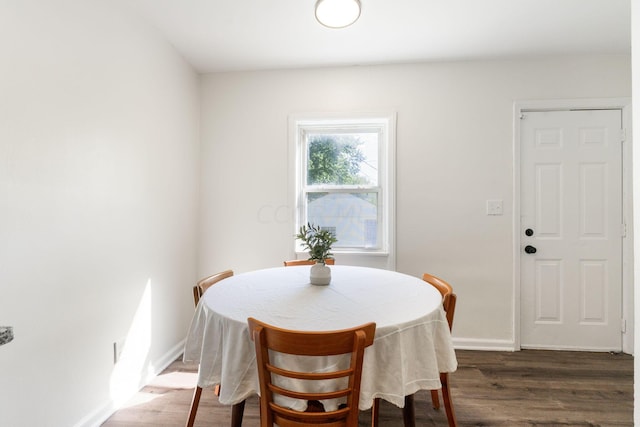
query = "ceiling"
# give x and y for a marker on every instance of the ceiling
(232, 35)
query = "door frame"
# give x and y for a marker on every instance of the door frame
(623, 104)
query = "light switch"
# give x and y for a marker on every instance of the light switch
(494, 207)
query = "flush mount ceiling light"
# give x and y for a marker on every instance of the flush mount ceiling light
(337, 13)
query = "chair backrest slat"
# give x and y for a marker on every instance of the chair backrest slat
(204, 284)
(449, 298)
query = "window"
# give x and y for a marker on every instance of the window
(344, 179)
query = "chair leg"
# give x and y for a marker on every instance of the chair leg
(195, 401)
(237, 412)
(375, 411)
(435, 401)
(409, 412)
(446, 397)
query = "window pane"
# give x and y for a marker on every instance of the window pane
(342, 159)
(352, 217)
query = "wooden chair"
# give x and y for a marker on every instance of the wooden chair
(349, 341)
(328, 261)
(198, 290)
(449, 299)
(408, 413)
(204, 284)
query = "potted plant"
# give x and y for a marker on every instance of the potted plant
(318, 242)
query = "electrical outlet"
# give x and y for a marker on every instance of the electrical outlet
(118, 347)
(494, 207)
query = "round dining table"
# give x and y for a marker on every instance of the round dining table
(412, 343)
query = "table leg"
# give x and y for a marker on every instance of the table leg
(237, 410)
(409, 412)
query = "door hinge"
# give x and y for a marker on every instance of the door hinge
(623, 325)
(623, 134)
(624, 230)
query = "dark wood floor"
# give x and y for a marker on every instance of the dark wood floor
(525, 388)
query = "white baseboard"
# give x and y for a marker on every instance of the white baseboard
(570, 348)
(101, 414)
(483, 344)
(168, 358)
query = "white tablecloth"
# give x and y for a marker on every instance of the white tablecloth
(412, 343)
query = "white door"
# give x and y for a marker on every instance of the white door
(571, 241)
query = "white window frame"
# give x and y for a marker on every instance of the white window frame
(300, 124)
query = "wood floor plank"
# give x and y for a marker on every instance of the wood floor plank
(525, 388)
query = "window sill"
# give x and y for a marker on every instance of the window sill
(351, 253)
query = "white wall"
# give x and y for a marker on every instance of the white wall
(99, 131)
(454, 151)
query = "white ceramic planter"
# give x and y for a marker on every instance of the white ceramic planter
(320, 274)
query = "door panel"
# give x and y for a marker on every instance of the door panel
(571, 199)
(548, 288)
(548, 200)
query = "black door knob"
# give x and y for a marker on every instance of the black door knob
(528, 232)
(530, 249)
